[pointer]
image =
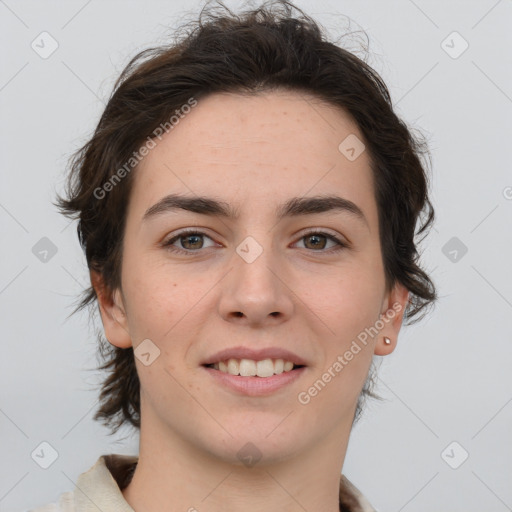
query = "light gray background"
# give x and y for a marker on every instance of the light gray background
(449, 378)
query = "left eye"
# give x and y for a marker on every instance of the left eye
(316, 239)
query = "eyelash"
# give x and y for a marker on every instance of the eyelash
(168, 244)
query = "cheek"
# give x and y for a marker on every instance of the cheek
(350, 299)
(156, 298)
(162, 297)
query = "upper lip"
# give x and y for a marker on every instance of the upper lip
(256, 355)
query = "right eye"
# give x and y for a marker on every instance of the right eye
(190, 237)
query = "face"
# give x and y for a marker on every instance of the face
(309, 281)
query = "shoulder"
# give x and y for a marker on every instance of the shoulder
(98, 488)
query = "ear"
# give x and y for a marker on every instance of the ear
(113, 313)
(392, 313)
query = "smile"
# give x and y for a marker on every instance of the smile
(243, 376)
(251, 368)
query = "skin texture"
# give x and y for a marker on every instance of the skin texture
(254, 153)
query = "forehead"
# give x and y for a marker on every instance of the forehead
(261, 148)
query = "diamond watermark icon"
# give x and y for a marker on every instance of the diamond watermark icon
(454, 249)
(147, 352)
(249, 454)
(44, 45)
(454, 455)
(44, 250)
(249, 249)
(44, 455)
(454, 45)
(351, 147)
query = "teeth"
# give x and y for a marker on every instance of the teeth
(250, 368)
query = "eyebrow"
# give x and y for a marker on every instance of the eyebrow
(295, 206)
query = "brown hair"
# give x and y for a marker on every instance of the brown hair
(262, 49)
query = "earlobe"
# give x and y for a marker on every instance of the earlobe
(394, 307)
(112, 311)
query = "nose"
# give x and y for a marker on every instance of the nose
(255, 291)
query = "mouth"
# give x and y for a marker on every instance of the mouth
(254, 378)
(251, 372)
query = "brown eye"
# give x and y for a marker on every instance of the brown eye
(317, 241)
(189, 242)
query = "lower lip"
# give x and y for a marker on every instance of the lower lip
(255, 386)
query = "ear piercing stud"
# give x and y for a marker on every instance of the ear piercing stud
(387, 341)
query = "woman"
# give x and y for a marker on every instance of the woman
(248, 206)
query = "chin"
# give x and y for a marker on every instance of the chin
(261, 441)
(253, 453)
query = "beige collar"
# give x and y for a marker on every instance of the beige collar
(99, 488)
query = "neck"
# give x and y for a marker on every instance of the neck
(176, 475)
